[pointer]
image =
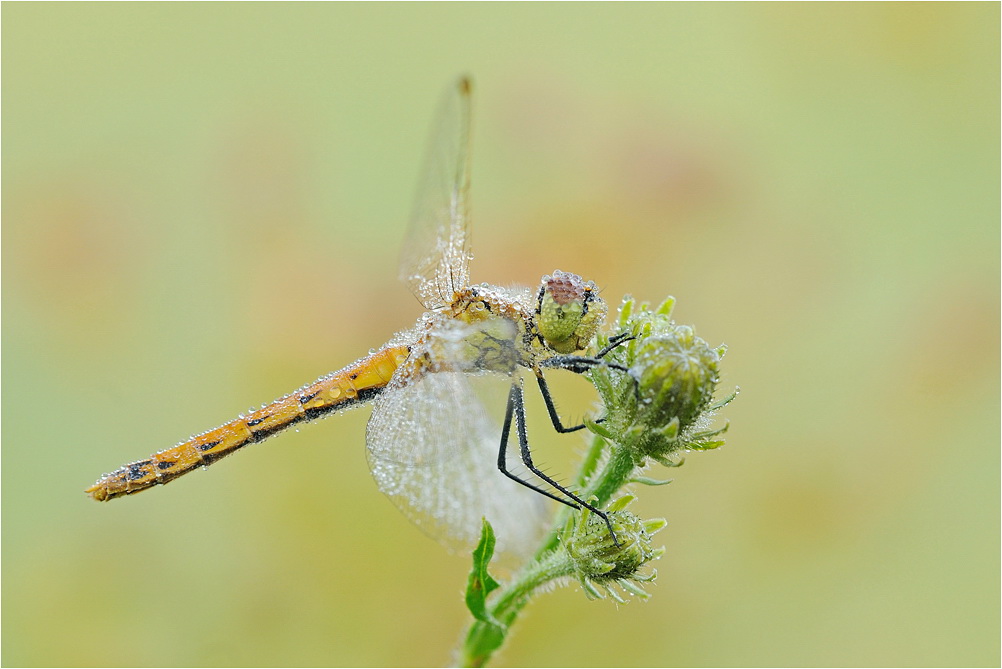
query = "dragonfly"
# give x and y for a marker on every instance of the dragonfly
(432, 447)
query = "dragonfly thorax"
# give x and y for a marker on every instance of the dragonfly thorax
(484, 329)
(569, 312)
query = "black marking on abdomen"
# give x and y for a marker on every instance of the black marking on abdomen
(209, 445)
(165, 464)
(364, 395)
(264, 433)
(256, 421)
(135, 471)
(306, 398)
(210, 458)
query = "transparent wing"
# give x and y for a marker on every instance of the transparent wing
(436, 256)
(433, 451)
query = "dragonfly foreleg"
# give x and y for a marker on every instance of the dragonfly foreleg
(615, 341)
(578, 365)
(551, 408)
(516, 410)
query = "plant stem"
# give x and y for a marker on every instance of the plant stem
(510, 602)
(614, 475)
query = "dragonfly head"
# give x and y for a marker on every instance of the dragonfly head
(569, 312)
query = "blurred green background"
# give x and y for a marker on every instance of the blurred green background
(202, 209)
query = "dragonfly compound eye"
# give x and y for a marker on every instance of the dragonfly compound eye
(570, 311)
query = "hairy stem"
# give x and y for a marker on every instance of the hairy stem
(481, 639)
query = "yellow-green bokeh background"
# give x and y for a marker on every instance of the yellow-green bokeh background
(202, 207)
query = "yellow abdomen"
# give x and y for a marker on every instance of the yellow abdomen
(355, 383)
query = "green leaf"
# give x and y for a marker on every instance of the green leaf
(591, 592)
(705, 445)
(621, 503)
(666, 307)
(720, 404)
(481, 583)
(625, 312)
(646, 480)
(599, 429)
(702, 436)
(670, 431)
(486, 635)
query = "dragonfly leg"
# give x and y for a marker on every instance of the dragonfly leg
(615, 341)
(551, 408)
(578, 365)
(516, 409)
(503, 451)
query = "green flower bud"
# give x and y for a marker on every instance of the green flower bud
(668, 395)
(600, 561)
(677, 374)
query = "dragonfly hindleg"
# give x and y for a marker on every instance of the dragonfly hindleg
(516, 410)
